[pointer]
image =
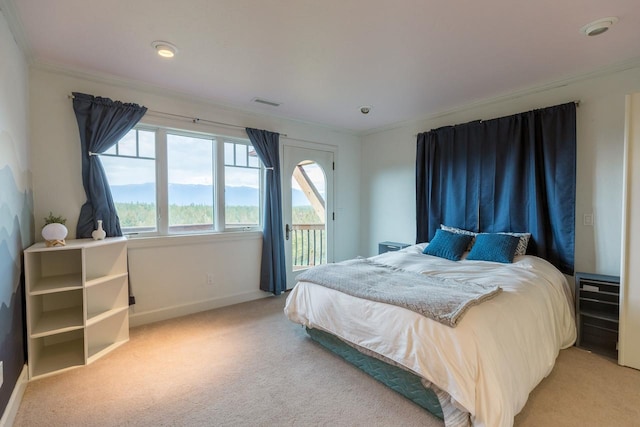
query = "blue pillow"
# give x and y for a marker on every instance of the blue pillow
(448, 245)
(494, 247)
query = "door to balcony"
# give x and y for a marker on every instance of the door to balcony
(307, 198)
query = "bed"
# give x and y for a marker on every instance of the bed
(483, 368)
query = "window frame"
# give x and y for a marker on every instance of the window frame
(218, 175)
(261, 174)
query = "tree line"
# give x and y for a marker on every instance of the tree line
(144, 214)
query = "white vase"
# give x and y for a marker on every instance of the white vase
(99, 233)
(54, 234)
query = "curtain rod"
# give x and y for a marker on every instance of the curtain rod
(195, 120)
(577, 102)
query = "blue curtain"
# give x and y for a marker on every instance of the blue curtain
(102, 123)
(273, 277)
(515, 173)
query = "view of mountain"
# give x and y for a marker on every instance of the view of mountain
(186, 194)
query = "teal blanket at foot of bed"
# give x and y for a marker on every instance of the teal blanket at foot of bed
(406, 383)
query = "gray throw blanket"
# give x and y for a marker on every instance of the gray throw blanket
(443, 300)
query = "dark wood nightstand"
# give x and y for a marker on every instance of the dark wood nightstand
(597, 313)
(390, 246)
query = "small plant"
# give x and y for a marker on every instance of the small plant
(52, 219)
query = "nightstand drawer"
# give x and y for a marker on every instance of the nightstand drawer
(390, 246)
(600, 336)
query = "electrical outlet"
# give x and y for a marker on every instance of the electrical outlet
(1, 373)
(587, 220)
(210, 279)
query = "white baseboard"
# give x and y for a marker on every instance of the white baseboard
(11, 410)
(151, 316)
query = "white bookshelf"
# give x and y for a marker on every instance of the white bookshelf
(77, 303)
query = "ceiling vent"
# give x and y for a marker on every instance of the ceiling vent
(267, 102)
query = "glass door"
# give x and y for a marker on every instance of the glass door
(307, 197)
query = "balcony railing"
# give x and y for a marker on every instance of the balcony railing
(308, 245)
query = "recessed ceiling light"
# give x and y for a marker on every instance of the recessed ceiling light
(165, 49)
(598, 27)
(365, 109)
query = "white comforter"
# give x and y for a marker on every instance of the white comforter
(491, 361)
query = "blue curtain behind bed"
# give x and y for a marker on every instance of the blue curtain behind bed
(273, 273)
(515, 173)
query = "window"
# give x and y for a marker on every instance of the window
(190, 175)
(242, 174)
(173, 182)
(130, 166)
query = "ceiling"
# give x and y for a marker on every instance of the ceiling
(323, 59)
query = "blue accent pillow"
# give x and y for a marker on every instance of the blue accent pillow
(494, 247)
(448, 245)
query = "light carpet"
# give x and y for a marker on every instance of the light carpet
(247, 365)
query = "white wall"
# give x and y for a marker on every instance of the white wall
(388, 180)
(168, 275)
(629, 341)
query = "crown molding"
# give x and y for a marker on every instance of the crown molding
(509, 96)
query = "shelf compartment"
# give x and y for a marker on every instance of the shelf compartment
(600, 315)
(104, 279)
(107, 335)
(107, 295)
(105, 259)
(600, 286)
(61, 283)
(600, 338)
(55, 313)
(604, 297)
(51, 271)
(55, 353)
(105, 315)
(602, 308)
(600, 324)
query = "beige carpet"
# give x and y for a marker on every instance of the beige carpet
(247, 365)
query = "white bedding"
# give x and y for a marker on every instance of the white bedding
(491, 361)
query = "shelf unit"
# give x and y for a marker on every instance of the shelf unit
(597, 313)
(77, 303)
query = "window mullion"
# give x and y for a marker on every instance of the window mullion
(162, 186)
(219, 184)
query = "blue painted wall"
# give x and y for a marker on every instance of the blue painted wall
(16, 233)
(16, 207)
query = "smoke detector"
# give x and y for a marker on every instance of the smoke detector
(598, 27)
(365, 109)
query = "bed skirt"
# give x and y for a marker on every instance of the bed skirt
(404, 382)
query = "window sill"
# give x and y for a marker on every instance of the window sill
(194, 239)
